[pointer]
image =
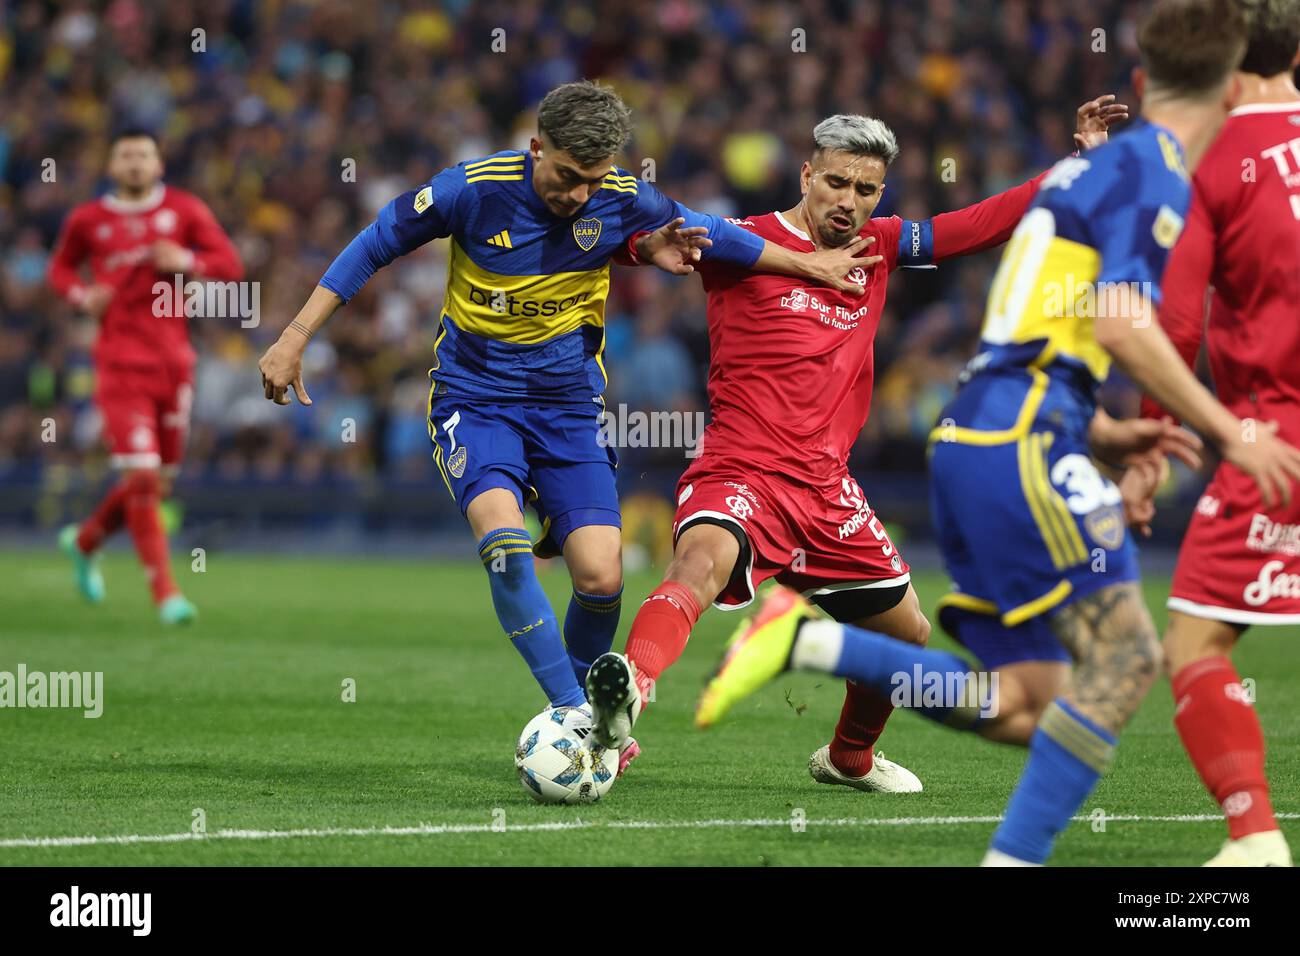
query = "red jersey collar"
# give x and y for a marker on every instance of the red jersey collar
(151, 201)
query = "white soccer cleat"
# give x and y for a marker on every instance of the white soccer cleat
(1256, 849)
(614, 698)
(885, 776)
(998, 858)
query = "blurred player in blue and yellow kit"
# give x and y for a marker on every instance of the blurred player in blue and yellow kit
(518, 373)
(1013, 473)
(1033, 534)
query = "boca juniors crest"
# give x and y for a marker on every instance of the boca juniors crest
(456, 462)
(1106, 526)
(585, 233)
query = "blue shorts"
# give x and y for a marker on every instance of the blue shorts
(1027, 525)
(546, 455)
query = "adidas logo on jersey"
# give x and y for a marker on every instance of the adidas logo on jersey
(501, 240)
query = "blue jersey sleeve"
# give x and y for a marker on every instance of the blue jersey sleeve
(406, 223)
(1136, 220)
(730, 243)
(1134, 245)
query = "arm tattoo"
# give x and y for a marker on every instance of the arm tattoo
(1116, 653)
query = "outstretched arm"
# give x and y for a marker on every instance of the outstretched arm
(675, 237)
(968, 230)
(281, 366)
(991, 222)
(406, 223)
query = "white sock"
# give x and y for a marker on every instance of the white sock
(818, 646)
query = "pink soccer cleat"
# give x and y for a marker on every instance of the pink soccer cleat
(631, 750)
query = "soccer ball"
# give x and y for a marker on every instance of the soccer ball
(558, 762)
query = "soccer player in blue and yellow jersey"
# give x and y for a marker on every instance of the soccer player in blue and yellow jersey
(1033, 535)
(518, 374)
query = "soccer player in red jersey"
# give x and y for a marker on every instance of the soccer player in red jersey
(791, 370)
(1240, 561)
(141, 233)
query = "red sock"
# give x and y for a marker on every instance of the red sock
(108, 517)
(862, 721)
(659, 632)
(146, 530)
(1221, 732)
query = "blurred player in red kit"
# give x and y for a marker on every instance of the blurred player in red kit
(791, 372)
(1240, 561)
(141, 233)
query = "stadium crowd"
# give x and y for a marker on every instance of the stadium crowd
(296, 121)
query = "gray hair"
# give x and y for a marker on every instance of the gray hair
(856, 134)
(585, 119)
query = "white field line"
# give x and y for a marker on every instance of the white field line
(442, 829)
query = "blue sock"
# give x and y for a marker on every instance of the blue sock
(589, 628)
(526, 615)
(933, 683)
(1067, 756)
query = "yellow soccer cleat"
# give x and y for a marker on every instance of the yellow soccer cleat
(758, 651)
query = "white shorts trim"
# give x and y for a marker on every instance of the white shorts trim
(1232, 615)
(905, 578)
(749, 571)
(141, 459)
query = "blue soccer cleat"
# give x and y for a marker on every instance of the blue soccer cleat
(85, 567)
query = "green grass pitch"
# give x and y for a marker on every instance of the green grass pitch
(242, 718)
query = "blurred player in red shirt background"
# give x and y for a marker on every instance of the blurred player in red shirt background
(141, 233)
(1240, 560)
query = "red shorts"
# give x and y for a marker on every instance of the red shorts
(1239, 562)
(146, 413)
(815, 540)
